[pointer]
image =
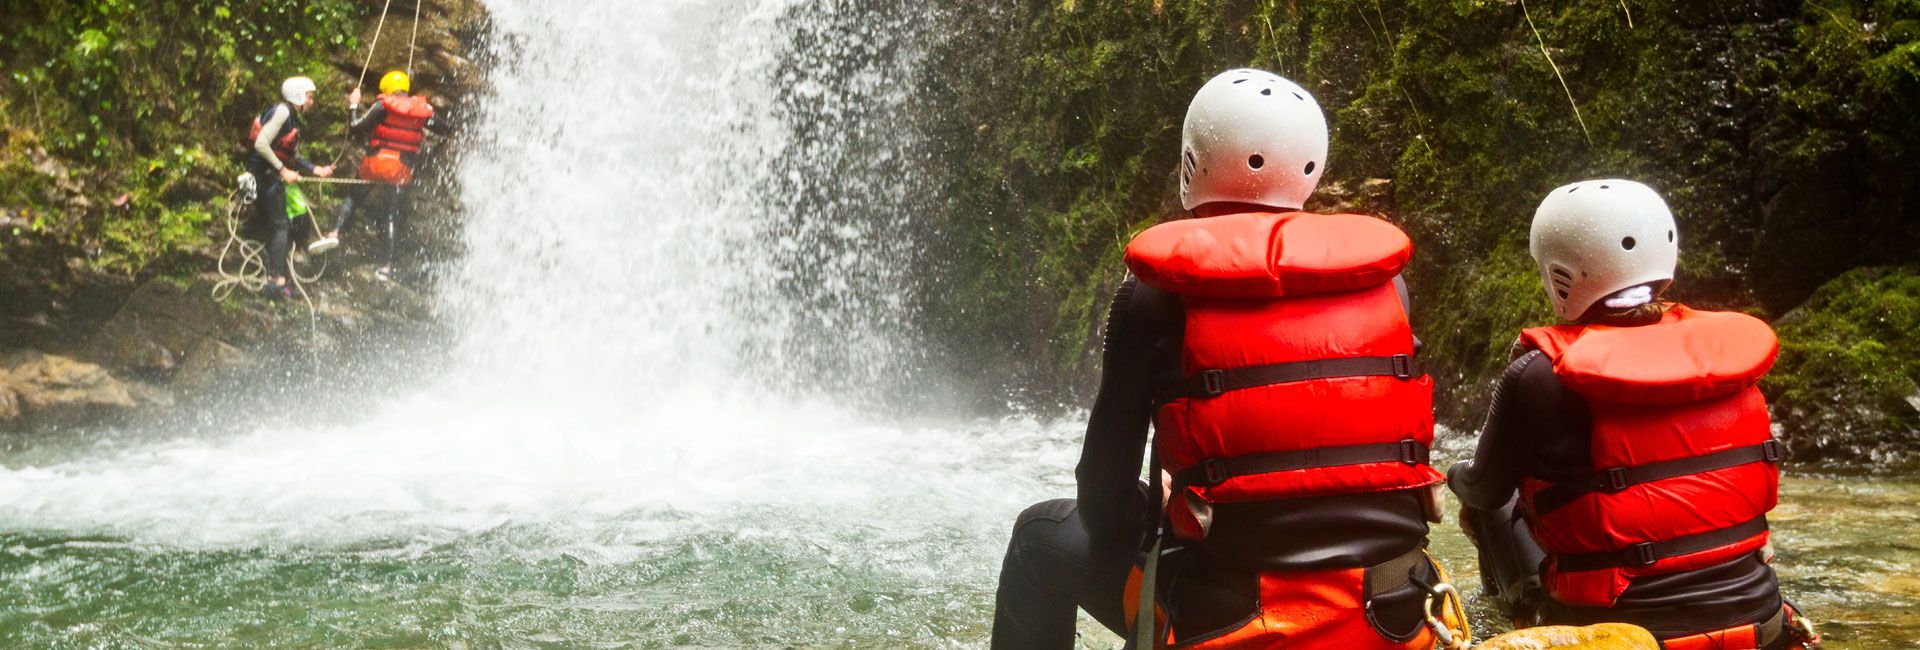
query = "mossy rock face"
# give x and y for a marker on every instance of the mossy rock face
(1847, 384)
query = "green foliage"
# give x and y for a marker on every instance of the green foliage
(1781, 133)
(1848, 378)
(148, 99)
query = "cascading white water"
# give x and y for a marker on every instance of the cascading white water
(681, 278)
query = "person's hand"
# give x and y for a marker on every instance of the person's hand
(323, 172)
(1166, 486)
(287, 174)
(1467, 516)
(353, 98)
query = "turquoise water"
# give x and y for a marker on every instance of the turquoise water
(258, 559)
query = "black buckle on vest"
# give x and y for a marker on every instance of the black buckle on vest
(1402, 366)
(1213, 383)
(1410, 452)
(1772, 451)
(1642, 554)
(1614, 480)
(1215, 471)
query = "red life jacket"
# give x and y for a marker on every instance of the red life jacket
(1684, 461)
(1299, 376)
(404, 126)
(286, 147)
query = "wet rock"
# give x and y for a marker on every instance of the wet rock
(207, 362)
(148, 396)
(156, 328)
(61, 389)
(9, 405)
(1371, 196)
(1606, 636)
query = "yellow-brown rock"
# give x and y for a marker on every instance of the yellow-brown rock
(1605, 636)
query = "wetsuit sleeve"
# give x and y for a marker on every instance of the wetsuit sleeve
(1406, 305)
(269, 131)
(365, 122)
(1113, 505)
(1508, 444)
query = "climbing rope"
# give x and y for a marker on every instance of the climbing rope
(251, 271)
(375, 45)
(337, 181)
(415, 37)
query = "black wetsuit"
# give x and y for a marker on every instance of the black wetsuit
(1072, 553)
(1538, 427)
(270, 223)
(384, 199)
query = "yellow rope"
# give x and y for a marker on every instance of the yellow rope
(1556, 71)
(415, 37)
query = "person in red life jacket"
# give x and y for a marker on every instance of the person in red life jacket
(273, 158)
(1270, 351)
(1627, 464)
(396, 128)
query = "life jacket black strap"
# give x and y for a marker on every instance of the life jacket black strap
(1621, 478)
(1215, 471)
(1647, 553)
(1212, 383)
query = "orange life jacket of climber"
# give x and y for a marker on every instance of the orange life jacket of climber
(1297, 360)
(1684, 461)
(404, 126)
(287, 146)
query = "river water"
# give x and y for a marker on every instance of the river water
(663, 418)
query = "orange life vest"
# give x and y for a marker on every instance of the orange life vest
(1684, 462)
(1299, 378)
(287, 146)
(385, 166)
(404, 126)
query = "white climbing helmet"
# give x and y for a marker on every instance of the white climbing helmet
(1252, 136)
(1595, 238)
(295, 90)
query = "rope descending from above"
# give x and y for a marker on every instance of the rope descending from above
(414, 38)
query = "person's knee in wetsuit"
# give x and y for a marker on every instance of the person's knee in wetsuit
(1051, 570)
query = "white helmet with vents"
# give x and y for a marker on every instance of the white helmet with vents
(1595, 238)
(295, 90)
(1252, 136)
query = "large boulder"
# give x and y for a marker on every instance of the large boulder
(207, 362)
(56, 389)
(156, 328)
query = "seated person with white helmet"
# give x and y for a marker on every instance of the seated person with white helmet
(1270, 350)
(1627, 464)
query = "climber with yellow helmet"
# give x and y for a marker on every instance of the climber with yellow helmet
(396, 126)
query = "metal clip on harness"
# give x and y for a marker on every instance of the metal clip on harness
(1448, 598)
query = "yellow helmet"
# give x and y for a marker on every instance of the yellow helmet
(395, 82)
